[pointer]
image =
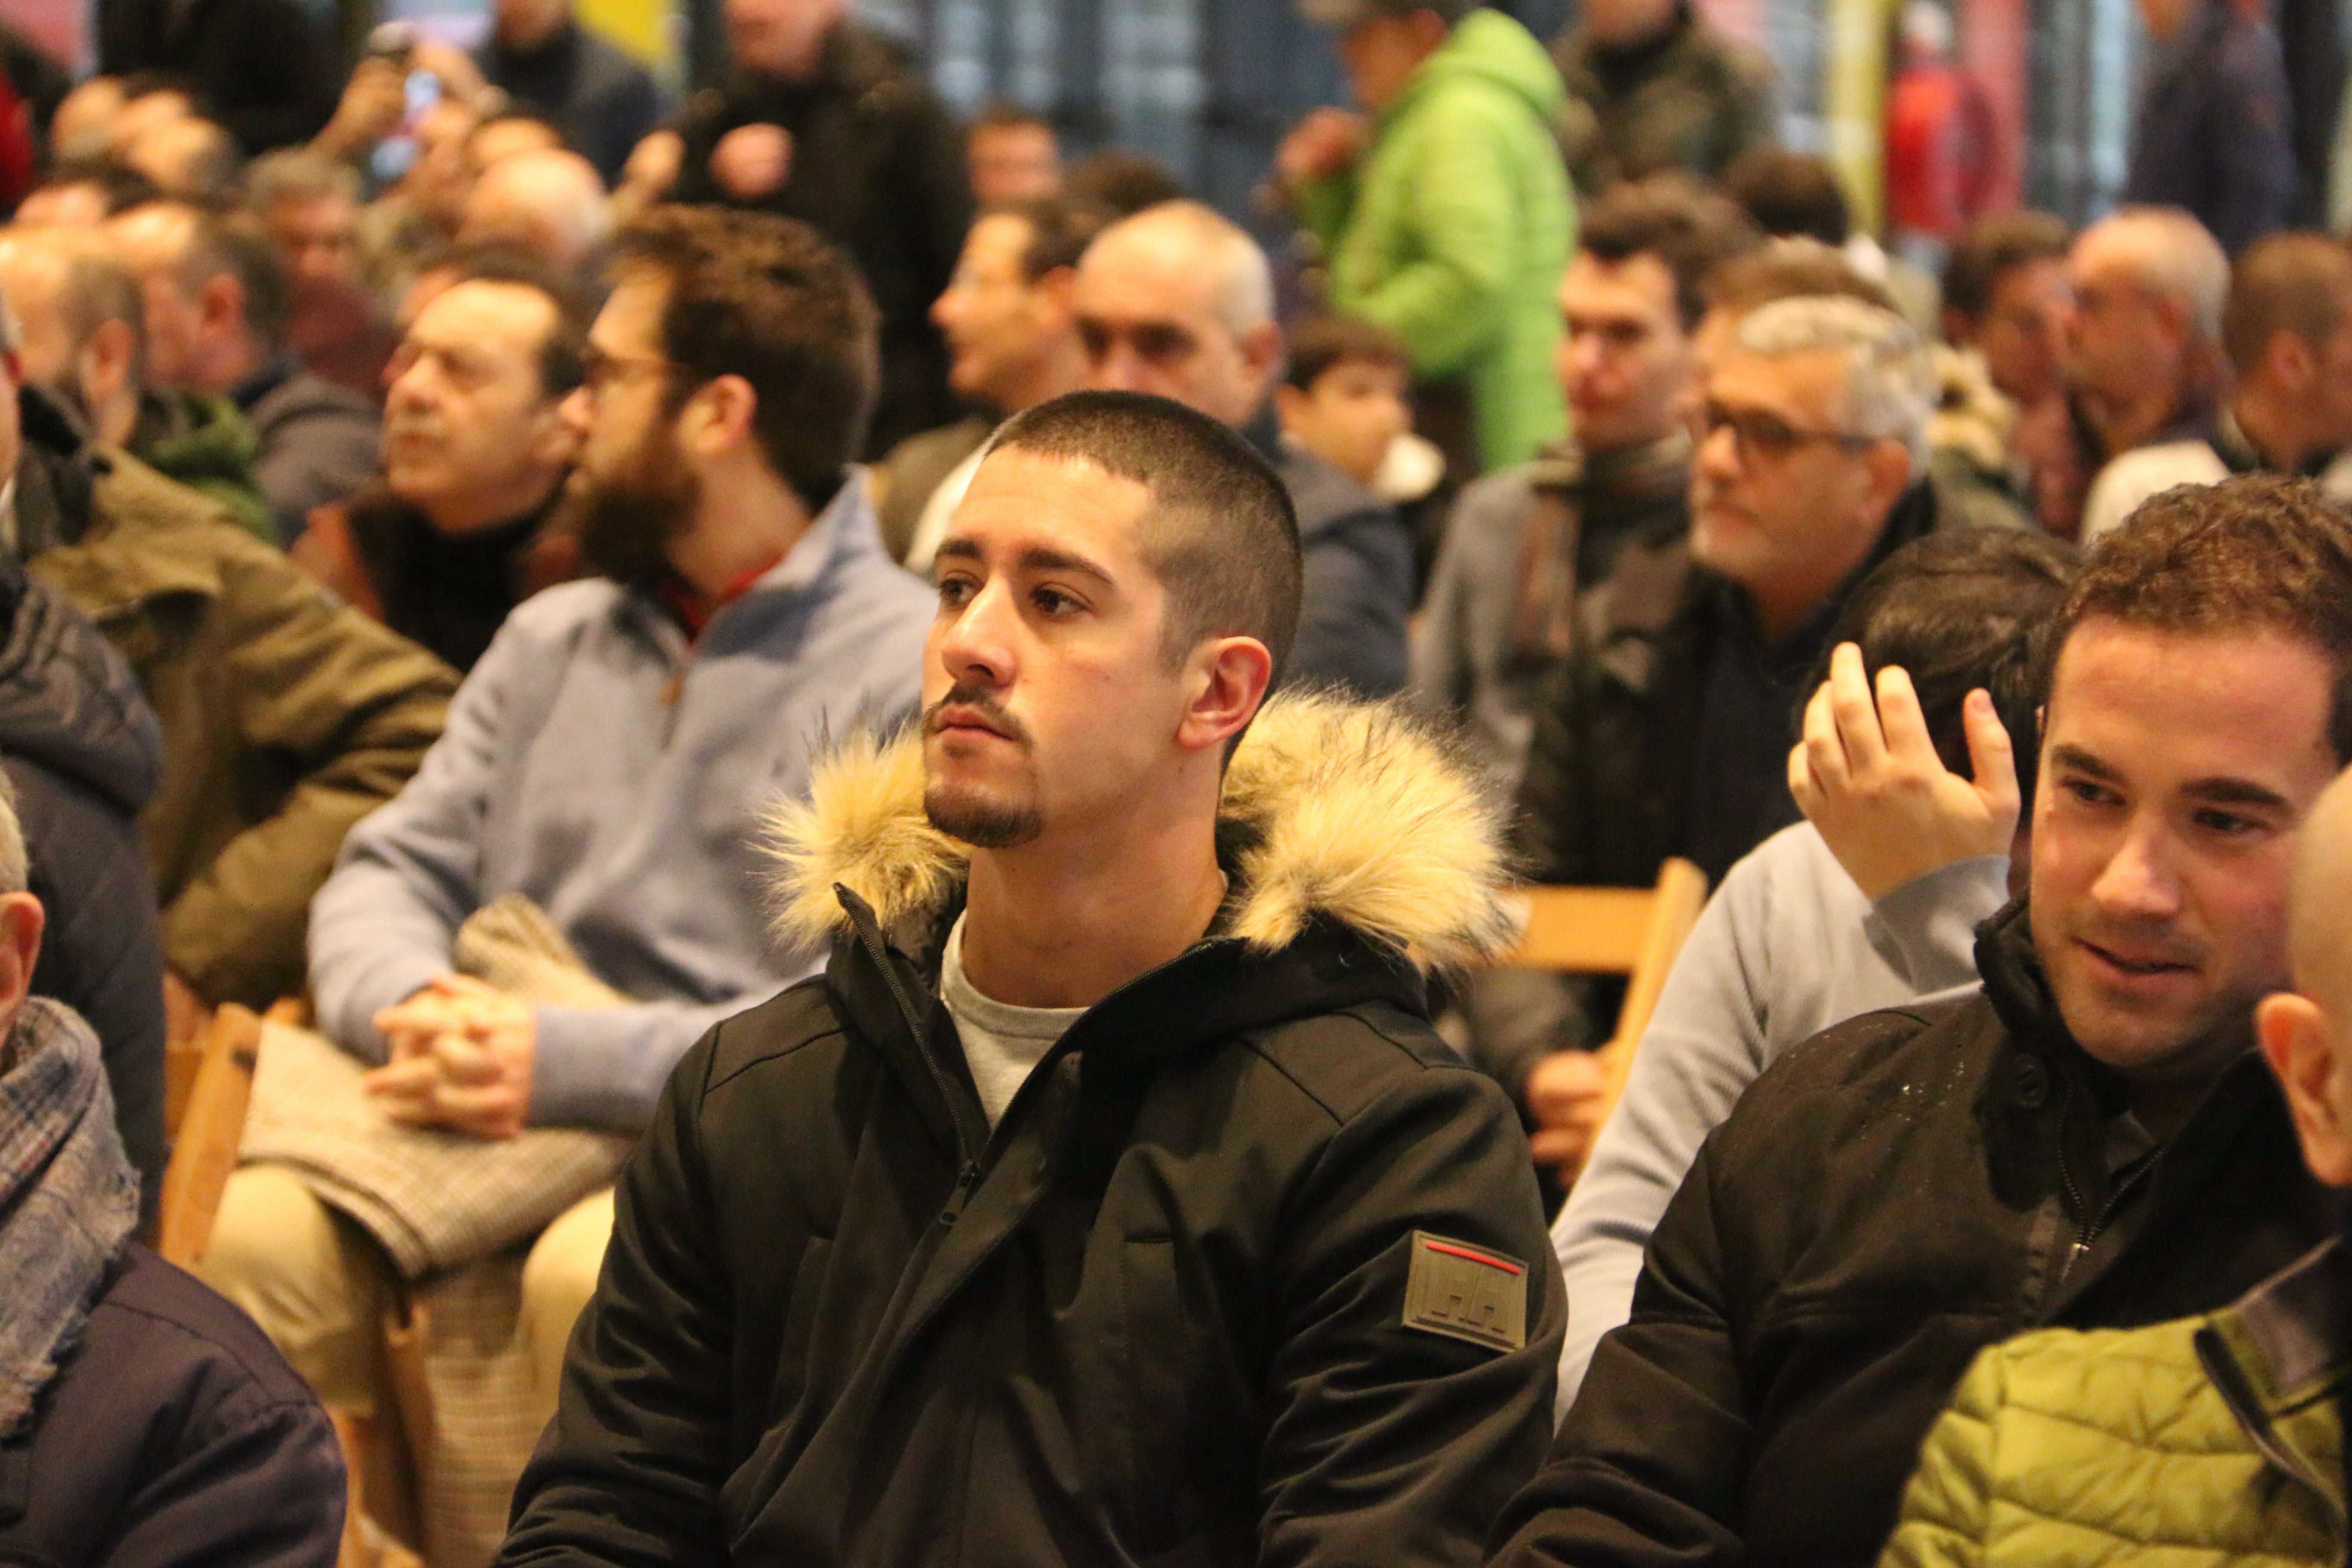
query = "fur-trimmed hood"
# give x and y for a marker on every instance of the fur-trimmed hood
(1358, 812)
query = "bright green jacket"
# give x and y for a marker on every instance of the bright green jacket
(2194, 1443)
(1453, 231)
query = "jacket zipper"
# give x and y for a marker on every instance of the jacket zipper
(2089, 1226)
(968, 1176)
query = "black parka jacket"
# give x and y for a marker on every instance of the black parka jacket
(1161, 1315)
(1885, 1201)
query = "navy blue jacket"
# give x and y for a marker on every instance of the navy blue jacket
(82, 752)
(174, 1434)
(2216, 127)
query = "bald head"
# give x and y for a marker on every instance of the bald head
(2167, 252)
(548, 201)
(1178, 302)
(2320, 918)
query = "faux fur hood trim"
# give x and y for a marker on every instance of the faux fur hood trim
(1360, 812)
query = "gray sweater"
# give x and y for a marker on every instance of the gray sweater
(620, 779)
(1787, 947)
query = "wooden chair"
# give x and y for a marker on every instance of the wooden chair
(211, 1097)
(1632, 931)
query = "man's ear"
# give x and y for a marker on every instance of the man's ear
(220, 303)
(1891, 469)
(21, 919)
(1262, 348)
(2290, 362)
(558, 430)
(1289, 402)
(718, 417)
(1059, 289)
(2302, 1051)
(106, 367)
(1226, 679)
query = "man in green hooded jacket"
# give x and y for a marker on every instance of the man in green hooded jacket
(1446, 216)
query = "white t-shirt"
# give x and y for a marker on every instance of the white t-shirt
(2131, 478)
(1002, 1043)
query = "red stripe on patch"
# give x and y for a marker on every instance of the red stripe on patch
(1473, 1257)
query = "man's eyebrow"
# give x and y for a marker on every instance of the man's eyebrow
(1046, 558)
(2226, 791)
(2081, 761)
(1037, 558)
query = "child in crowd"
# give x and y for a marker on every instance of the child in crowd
(1343, 397)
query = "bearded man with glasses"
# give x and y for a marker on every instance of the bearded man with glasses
(1669, 730)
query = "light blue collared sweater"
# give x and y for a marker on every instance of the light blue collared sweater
(618, 777)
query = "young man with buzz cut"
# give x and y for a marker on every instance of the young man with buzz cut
(1109, 1199)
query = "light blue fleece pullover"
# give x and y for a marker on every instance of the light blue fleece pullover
(597, 763)
(1787, 947)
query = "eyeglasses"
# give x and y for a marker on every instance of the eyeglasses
(599, 371)
(1755, 432)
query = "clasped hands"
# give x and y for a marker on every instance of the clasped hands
(461, 1056)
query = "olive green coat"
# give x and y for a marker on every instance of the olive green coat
(1456, 228)
(286, 717)
(2201, 1441)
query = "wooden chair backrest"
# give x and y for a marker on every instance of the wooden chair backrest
(1632, 931)
(209, 1128)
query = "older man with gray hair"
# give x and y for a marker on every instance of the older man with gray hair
(1666, 732)
(1178, 300)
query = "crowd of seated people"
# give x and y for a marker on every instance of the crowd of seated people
(884, 777)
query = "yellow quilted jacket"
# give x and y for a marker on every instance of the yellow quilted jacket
(2200, 1442)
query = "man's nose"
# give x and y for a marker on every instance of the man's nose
(977, 643)
(1118, 368)
(2137, 880)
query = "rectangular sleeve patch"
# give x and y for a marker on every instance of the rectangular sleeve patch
(1466, 1292)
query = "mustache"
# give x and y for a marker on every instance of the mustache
(961, 695)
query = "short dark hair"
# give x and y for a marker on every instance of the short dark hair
(1790, 194)
(2294, 282)
(1222, 537)
(1060, 229)
(766, 299)
(2254, 553)
(1790, 269)
(1124, 180)
(1689, 228)
(235, 244)
(137, 85)
(1990, 246)
(1003, 114)
(1974, 608)
(1319, 343)
(561, 357)
(123, 188)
